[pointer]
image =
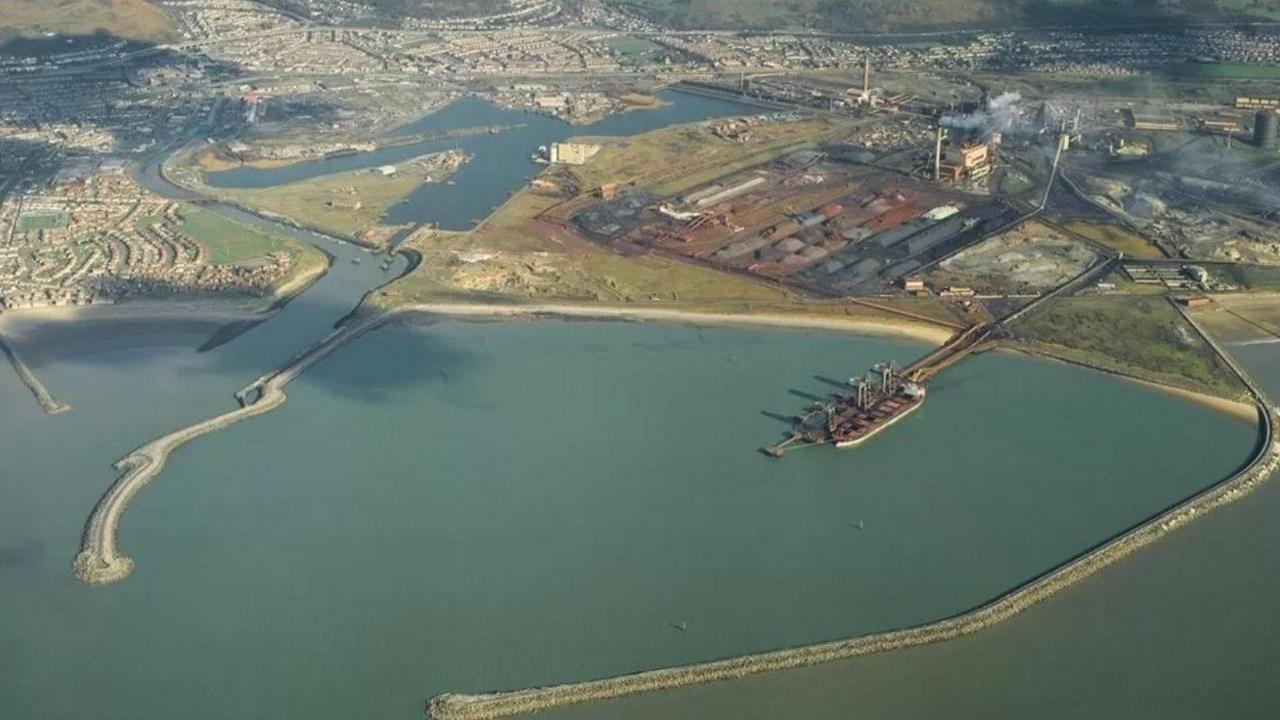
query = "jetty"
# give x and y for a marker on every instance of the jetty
(99, 560)
(47, 401)
(850, 419)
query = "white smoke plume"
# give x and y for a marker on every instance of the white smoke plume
(1001, 115)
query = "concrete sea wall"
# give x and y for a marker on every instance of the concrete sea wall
(1260, 467)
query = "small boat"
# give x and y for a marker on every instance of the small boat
(355, 261)
(682, 626)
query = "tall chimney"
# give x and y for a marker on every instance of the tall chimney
(937, 157)
(866, 76)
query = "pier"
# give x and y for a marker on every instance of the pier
(846, 420)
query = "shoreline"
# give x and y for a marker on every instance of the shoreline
(1238, 410)
(206, 308)
(916, 331)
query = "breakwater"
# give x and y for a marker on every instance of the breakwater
(47, 401)
(1259, 468)
(99, 560)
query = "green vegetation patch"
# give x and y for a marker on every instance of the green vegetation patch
(230, 243)
(1249, 277)
(1139, 336)
(632, 47)
(34, 221)
(1015, 182)
(1225, 70)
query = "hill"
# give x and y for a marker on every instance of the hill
(130, 19)
(898, 15)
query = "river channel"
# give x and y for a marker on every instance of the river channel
(471, 506)
(500, 163)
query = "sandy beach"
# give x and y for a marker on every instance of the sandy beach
(907, 329)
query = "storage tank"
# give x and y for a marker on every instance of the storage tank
(1266, 126)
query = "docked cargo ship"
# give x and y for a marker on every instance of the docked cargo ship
(879, 399)
(850, 419)
(855, 419)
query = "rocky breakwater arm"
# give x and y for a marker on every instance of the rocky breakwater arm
(47, 401)
(99, 560)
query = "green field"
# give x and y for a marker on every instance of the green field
(633, 48)
(1139, 336)
(230, 243)
(31, 222)
(1225, 71)
(1015, 182)
(1249, 277)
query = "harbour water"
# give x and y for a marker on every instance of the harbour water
(1184, 629)
(479, 506)
(500, 163)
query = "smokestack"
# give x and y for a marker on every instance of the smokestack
(937, 157)
(866, 76)
(1266, 129)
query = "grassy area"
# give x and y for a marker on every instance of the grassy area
(670, 160)
(31, 222)
(1249, 277)
(1015, 182)
(346, 204)
(214, 160)
(230, 243)
(1224, 70)
(131, 19)
(1115, 237)
(1242, 317)
(227, 242)
(633, 48)
(1138, 336)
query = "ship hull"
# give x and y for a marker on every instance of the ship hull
(880, 427)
